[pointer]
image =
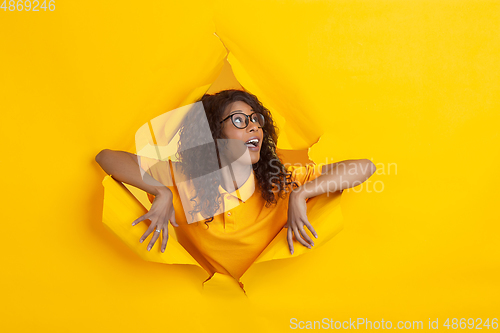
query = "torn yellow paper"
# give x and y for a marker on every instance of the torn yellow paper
(124, 203)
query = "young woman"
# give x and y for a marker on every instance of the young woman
(240, 194)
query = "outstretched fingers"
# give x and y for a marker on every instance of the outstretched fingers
(172, 219)
(156, 235)
(146, 234)
(139, 219)
(305, 235)
(290, 239)
(298, 238)
(311, 229)
(165, 238)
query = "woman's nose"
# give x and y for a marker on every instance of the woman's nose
(253, 126)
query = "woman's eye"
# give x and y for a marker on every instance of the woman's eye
(238, 119)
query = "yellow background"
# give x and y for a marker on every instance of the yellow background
(413, 86)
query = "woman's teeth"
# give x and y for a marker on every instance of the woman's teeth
(252, 143)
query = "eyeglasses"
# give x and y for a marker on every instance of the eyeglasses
(240, 120)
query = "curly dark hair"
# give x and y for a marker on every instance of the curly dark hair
(272, 185)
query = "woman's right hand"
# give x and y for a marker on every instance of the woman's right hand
(162, 210)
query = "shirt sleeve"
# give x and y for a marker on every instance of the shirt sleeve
(304, 174)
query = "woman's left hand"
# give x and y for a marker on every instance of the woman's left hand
(297, 218)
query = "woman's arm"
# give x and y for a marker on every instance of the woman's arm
(337, 177)
(124, 167)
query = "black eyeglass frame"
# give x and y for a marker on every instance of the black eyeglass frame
(247, 117)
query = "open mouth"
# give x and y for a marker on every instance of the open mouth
(252, 143)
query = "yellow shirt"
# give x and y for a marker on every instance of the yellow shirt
(235, 238)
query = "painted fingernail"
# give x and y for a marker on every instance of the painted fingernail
(149, 248)
(140, 241)
(316, 236)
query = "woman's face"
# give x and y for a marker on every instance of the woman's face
(229, 131)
